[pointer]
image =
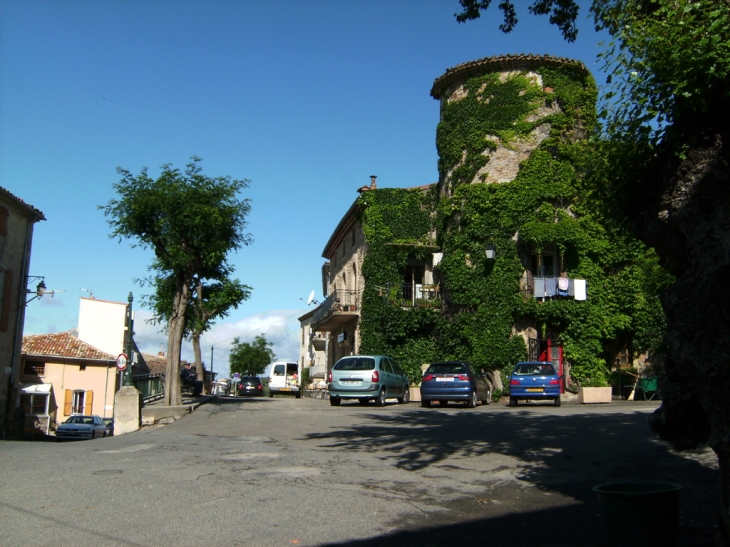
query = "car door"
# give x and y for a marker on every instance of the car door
(480, 384)
(387, 374)
(400, 379)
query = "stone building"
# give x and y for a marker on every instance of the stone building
(17, 220)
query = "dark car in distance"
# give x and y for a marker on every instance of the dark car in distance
(446, 381)
(534, 381)
(250, 385)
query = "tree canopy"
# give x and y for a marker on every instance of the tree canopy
(251, 358)
(191, 222)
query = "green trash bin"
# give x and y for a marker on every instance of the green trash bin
(639, 513)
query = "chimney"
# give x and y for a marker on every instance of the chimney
(372, 181)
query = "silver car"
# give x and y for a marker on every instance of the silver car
(81, 427)
(366, 378)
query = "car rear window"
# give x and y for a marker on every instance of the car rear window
(447, 368)
(534, 369)
(360, 363)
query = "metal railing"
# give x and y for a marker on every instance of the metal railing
(151, 386)
(339, 300)
(417, 295)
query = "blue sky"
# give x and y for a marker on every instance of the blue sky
(306, 98)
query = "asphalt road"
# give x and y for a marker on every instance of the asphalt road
(282, 472)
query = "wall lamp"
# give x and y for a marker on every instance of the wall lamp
(40, 289)
(491, 251)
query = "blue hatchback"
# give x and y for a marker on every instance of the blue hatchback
(534, 380)
(454, 381)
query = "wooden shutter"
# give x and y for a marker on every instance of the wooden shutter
(68, 402)
(6, 304)
(88, 402)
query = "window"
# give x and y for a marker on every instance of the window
(6, 285)
(278, 370)
(82, 367)
(34, 368)
(4, 221)
(78, 401)
(38, 404)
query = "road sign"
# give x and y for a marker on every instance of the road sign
(122, 361)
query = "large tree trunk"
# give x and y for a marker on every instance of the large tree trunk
(198, 356)
(175, 331)
(684, 213)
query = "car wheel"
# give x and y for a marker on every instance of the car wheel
(443, 403)
(380, 399)
(513, 401)
(425, 403)
(363, 400)
(488, 400)
(93, 435)
(335, 401)
(299, 395)
(472, 402)
(556, 402)
(271, 394)
(406, 396)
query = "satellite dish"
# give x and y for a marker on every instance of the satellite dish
(311, 298)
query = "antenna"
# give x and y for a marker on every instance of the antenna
(310, 300)
(91, 294)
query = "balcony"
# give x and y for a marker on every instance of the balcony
(415, 295)
(338, 308)
(318, 340)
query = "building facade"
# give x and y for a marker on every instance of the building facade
(17, 221)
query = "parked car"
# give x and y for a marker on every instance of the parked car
(109, 424)
(366, 378)
(285, 378)
(250, 385)
(81, 427)
(446, 381)
(533, 381)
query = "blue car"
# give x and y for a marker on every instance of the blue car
(534, 381)
(454, 381)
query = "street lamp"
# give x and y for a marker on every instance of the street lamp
(39, 290)
(491, 251)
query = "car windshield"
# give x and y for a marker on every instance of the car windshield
(360, 363)
(534, 369)
(250, 380)
(447, 368)
(80, 420)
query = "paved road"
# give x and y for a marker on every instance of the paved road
(284, 472)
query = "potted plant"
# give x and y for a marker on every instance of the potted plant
(594, 390)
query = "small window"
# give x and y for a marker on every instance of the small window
(4, 213)
(82, 367)
(34, 368)
(279, 370)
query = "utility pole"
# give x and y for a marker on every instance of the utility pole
(129, 326)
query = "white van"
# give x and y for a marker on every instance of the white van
(285, 378)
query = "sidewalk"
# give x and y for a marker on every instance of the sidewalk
(157, 413)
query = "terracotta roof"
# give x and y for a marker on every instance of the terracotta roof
(62, 344)
(156, 363)
(34, 212)
(501, 62)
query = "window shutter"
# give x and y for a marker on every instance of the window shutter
(67, 402)
(89, 401)
(6, 303)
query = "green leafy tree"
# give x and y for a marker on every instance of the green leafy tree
(191, 222)
(666, 113)
(251, 358)
(208, 302)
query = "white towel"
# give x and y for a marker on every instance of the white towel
(580, 289)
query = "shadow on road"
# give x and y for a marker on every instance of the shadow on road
(561, 453)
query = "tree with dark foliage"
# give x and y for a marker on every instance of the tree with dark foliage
(667, 134)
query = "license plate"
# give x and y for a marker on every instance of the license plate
(535, 390)
(285, 389)
(349, 382)
(448, 379)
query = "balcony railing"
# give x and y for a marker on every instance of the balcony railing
(339, 301)
(416, 295)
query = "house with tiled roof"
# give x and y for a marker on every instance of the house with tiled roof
(17, 220)
(62, 376)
